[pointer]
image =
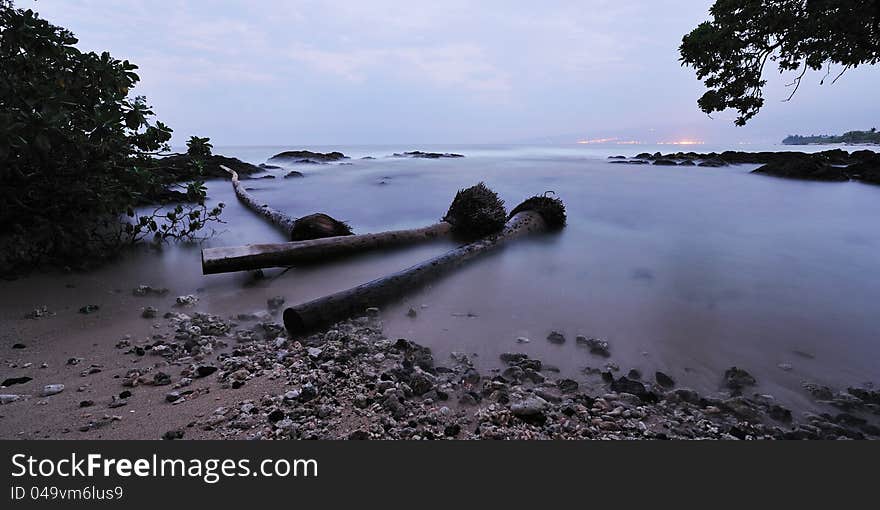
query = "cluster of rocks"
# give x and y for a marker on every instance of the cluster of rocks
(308, 157)
(179, 167)
(834, 165)
(352, 382)
(426, 155)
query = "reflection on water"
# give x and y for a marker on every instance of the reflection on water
(683, 269)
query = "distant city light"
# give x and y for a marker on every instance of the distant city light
(615, 141)
(683, 142)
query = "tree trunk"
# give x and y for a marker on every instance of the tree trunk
(330, 309)
(257, 256)
(278, 218)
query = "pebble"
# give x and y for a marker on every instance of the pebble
(187, 300)
(89, 309)
(8, 399)
(522, 340)
(51, 389)
(556, 337)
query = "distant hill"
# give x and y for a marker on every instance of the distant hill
(871, 136)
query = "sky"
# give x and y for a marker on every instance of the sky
(282, 72)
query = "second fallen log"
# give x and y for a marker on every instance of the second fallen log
(475, 212)
(538, 214)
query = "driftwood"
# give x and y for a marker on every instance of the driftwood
(313, 226)
(475, 212)
(322, 312)
(258, 256)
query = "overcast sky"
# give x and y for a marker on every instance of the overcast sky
(272, 72)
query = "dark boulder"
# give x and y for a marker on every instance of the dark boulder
(737, 379)
(712, 163)
(426, 155)
(292, 174)
(800, 167)
(665, 162)
(318, 226)
(308, 156)
(664, 380)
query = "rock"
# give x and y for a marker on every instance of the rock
(522, 340)
(173, 396)
(664, 380)
(512, 358)
(785, 366)
(304, 156)
(803, 168)
(173, 434)
(87, 403)
(818, 391)
(274, 303)
(89, 309)
(630, 162)
(412, 313)
(712, 163)
(687, 395)
(188, 300)
(426, 155)
(275, 416)
(12, 381)
(146, 290)
(358, 435)
(556, 338)
(530, 409)
(736, 379)
(596, 346)
(117, 402)
(634, 374)
(161, 379)
(293, 174)
(626, 385)
(665, 162)
(205, 370)
(19, 346)
(150, 312)
(8, 398)
(51, 389)
(567, 385)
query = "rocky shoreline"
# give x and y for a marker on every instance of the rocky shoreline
(351, 382)
(834, 165)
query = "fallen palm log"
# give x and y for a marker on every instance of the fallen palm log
(537, 214)
(475, 212)
(313, 226)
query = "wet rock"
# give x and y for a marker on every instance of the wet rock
(712, 163)
(274, 303)
(530, 409)
(803, 168)
(89, 309)
(426, 155)
(304, 156)
(779, 413)
(161, 379)
(736, 379)
(87, 403)
(117, 402)
(19, 346)
(785, 367)
(664, 380)
(567, 385)
(51, 389)
(412, 313)
(818, 391)
(293, 174)
(150, 312)
(665, 162)
(146, 290)
(522, 340)
(687, 395)
(597, 346)
(8, 398)
(187, 300)
(12, 381)
(205, 370)
(512, 358)
(173, 434)
(634, 374)
(556, 337)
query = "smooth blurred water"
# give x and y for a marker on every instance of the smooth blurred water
(683, 269)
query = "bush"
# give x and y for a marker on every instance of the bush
(76, 151)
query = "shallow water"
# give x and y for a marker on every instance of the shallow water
(682, 269)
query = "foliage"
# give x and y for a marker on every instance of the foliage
(76, 150)
(870, 136)
(550, 208)
(729, 52)
(476, 212)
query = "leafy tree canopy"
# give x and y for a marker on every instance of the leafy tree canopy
(729, 52)
(76, 150)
